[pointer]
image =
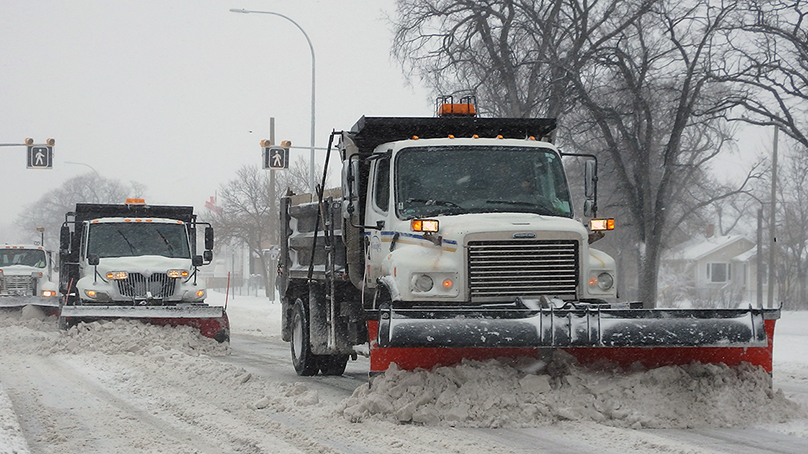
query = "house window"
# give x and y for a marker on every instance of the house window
(718, 272)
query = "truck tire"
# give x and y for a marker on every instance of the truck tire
(305, 362)
(333, 364)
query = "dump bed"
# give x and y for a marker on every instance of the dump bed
(299, 215)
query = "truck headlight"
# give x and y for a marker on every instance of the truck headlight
(603, 281)
(422, 283)
(117, 275)
(177, 273)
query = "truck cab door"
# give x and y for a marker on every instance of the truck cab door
(376, 214)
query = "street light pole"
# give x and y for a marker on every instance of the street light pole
(311, 47)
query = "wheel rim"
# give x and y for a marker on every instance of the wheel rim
(297, 337)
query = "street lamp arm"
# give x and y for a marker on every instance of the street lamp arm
(311, 47)
(246, 11)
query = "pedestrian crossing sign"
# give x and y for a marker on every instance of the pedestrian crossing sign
(276, 158)
(40, 157)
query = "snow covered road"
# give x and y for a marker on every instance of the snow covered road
(131, 388)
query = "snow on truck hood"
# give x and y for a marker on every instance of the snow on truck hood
(145, 264)
(21, 270)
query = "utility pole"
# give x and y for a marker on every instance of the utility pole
(273, 217)
(772, 222)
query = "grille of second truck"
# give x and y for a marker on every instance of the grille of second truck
(136, 286)
(507, 269)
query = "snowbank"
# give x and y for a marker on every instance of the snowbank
(138, 359)
(493, 394)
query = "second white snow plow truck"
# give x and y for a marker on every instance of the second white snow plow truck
(26, 278)
(453, 237)
(136, 261)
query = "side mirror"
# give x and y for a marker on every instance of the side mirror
(197, 260)
(64, 238)
(590, 179)
(207, 256)
(349, 187)
(590, 188)
(209, 238)
(93, 259)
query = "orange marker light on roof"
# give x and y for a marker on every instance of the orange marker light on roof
(135, 201)
(462, 109)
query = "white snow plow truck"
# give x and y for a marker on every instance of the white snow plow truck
(26, 278)
(136, 261)
(453, 237)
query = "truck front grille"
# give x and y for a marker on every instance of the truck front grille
(17, 285)
(159, 285)
(503, 270)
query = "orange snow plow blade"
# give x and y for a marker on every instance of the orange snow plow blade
(211, 321)
(628, 337)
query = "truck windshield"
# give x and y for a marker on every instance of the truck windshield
(135, 239)
(431, 181)
(26, 257)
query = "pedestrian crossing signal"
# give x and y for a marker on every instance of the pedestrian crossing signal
(40, 156)
(276, 158)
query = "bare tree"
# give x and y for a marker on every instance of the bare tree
(49, 211)
(792, 238)
(513, 54)
(248, 213)
(770, 52)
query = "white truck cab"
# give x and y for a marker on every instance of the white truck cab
(26, 276)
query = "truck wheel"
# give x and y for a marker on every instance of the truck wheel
(305, 362)
(333, 364)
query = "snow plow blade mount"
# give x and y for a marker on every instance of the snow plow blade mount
(211, 321)
(651, 337)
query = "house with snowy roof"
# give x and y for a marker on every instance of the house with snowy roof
(714, 271)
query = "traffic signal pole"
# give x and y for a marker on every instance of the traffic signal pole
(40, 156)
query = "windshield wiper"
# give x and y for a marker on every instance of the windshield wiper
(170, 247)
(131, 246)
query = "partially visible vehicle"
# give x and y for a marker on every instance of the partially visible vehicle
(136, 261)
(26, 278)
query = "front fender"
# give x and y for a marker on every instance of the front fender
(401, 266)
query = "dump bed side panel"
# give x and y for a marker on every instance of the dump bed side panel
(299, 217)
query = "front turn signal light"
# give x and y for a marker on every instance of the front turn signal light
(117, 275)
(597, 225)
(177, 273)
(424, 225)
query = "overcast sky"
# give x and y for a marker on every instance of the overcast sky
(176, 95)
